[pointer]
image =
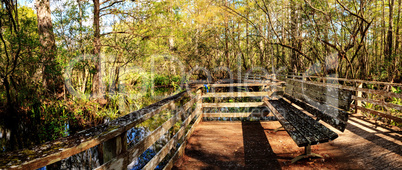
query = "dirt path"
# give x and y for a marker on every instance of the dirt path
(254, 145)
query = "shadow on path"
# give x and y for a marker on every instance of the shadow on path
(258, 153)
(374, 138)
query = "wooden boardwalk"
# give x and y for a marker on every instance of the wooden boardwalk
(227, 145)
(255, 145)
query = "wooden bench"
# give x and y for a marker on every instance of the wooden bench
(325, 103)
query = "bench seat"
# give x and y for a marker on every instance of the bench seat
(324, 102)
(303, 129)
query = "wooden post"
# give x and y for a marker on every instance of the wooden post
(100, 153)
(304, 76)
(114, 147)
(358, 94)
(199, 103)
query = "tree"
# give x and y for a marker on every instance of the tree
(48, 46)
(17, 52)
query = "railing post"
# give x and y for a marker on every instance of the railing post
(199, 102)
(100, 153)
(358, 94)
(114, 147)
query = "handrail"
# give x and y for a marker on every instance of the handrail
(347, 80)
(115, 131)
(358, 98)
(123, 159)
(59, 149)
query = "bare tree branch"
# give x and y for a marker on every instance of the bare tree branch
(294, 49)
(110, 5)
(343, 6)
(311, 6)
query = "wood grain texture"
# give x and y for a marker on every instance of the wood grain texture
(292, 131)
(379, 102)
(371, 91)
(244, 104)
(145, 143)
(237, 114)
(333, 121)
(181, 149)
(349, 80)
(237, 94)
(53, 151)
(378, 113)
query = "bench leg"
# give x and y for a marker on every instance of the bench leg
(307, 153)
(277, 129)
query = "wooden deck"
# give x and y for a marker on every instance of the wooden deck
(226, 145)
(255, 145)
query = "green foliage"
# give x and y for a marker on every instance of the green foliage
(167, 80)
(394, 112)
(397, 101)
(18, 54)
(52, 119)
(143, 35)
(394, 99)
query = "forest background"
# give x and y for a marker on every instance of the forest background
(98, 47)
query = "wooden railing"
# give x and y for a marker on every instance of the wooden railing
(111, 138)
(379, 94)
(265, 89)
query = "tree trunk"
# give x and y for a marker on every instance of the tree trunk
(383, 33)
(388, 46)
(293, 34)
(374, 41)
(8, 92)
(80, 23)
(247, 38)
(262, 51)
(227, 38)
(97, 91)
(363, 61)
(398, 36)
(389, 41)
(283, 39)
(48, 46)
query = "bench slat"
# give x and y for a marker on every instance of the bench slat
(341, 97)
(338, 124)
(292, 131)
(331, 135)
(336, 117)
(325, 95)
(306, 129)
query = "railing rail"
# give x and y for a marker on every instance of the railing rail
(112, 137)
(379, 97)
(240, 109)
(342, 79)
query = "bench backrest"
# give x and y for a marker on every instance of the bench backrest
(327, 103)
